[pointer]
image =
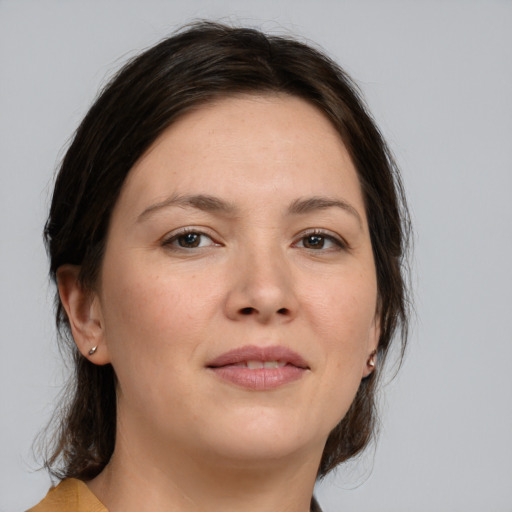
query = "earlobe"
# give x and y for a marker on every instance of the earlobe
(84, 315)
(373, 343)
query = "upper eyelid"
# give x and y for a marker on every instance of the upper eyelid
(322, 232)
(172, 235)
(206, 232)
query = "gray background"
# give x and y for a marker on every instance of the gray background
(438, 78)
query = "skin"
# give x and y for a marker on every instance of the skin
(188, 440)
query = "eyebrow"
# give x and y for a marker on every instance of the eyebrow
(214, 204)
(303, 206)
(200, 201)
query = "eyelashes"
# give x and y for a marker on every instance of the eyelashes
(189, 238)
(194, 239)
(320, 240)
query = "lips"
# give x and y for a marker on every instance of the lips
(259, 368)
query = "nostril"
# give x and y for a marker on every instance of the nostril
(250, 311)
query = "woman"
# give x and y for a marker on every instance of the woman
(226, 234)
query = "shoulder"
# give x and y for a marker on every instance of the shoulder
(70, 495)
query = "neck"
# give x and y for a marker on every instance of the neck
(186, 483)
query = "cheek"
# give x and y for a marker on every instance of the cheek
(343, 315)
(343, 312)
(140, 296)
(148, 329)
(149, 317)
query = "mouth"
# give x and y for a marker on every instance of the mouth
(256, 365)
(259, 368)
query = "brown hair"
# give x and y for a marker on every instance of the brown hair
(202, 62)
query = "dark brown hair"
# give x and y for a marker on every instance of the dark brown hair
(198, 64)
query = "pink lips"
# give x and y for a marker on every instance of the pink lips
(269, 367)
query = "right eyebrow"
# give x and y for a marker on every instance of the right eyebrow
(202, 202)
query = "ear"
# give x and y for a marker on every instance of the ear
(372, 345)
(84, 314)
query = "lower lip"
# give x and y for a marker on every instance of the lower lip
(259, 379)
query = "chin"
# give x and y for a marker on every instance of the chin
(265, 438)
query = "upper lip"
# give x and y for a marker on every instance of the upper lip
(255, 353)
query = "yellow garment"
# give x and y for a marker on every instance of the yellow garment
(70, 495)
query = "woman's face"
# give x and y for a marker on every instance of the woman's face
(237, 298)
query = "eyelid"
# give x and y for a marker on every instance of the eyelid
(169, 238)
(327, 234)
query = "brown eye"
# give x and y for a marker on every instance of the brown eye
(313, 242)
(320, 241)
(189, 240)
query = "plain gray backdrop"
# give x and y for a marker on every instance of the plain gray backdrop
(438, 78)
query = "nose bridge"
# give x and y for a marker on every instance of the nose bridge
(263, 284)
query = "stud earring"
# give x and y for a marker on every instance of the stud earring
(372, 360)
(93, 350)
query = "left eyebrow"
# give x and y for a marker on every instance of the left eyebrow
(303, 206)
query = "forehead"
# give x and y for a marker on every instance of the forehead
(246, 145)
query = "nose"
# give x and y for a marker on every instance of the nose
(262, 288)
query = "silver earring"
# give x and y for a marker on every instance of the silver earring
(372, 360)
(93, 350)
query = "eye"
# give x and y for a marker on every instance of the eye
(314, 242)
(189, 239)
(319, 240)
